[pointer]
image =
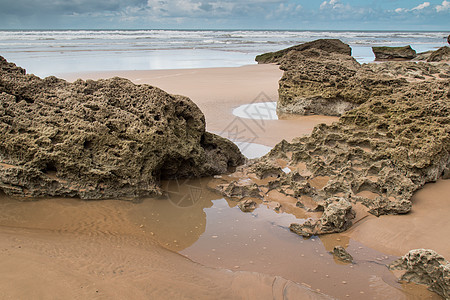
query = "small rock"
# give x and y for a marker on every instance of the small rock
(342, 254)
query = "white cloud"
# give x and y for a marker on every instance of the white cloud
(333, 4)
(443, 7)
(421, 6)
(417, 8)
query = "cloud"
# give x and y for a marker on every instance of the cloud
(417, 8)
(332, 4)
(421, 6)
(443, 7)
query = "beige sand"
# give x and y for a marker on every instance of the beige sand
(71, 249)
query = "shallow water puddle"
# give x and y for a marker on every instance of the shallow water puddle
(213, 231)
(198, 223)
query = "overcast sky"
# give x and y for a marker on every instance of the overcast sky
(226, 14)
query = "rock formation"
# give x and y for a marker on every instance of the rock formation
(440, 55)
(426, 267)
(100, 139)
(340, 253)
(374, 158)
(394, 53)
(327, 45)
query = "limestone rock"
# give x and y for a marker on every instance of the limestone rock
(100, 139)
(394, 53)
(240, 190)
(396, 138)
(340, 253)
(426, 267)
(337, 217)
(442, 54)
(247, 205)
(327, 83)
(326, 45)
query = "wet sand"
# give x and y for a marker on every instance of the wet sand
(69, 248)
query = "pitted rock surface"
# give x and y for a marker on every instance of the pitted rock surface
(374, 158)
(100, 139)
(424, 266)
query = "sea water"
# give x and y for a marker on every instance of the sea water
(54, 52)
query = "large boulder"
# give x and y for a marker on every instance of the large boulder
(326, 45)
(326, 81)
(423, 266)
(394, 53)
(100, 139)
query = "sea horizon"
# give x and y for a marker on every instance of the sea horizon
(46, 52)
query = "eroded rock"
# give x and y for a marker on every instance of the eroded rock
(394, 53)
(426, 267)
(340, 253)
(247, 205)
(337, 217)
(327, 45)
(100, 139)
(396, 139)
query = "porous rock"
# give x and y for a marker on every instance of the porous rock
(424, 266)
(247, 205)
(378, 154)
(442, 54)
(327, 45)
(337, 217)
(394, 53)
(100, 139)
(340, 253)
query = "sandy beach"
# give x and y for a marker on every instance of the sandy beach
(74, 249)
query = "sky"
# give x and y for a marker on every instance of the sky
(226, 14)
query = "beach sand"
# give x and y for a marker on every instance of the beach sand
(67, 248)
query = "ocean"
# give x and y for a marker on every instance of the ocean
(53, 52)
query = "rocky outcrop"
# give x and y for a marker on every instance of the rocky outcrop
(442, 54)
(329, 83)
(326, 45)
(426, 267)
(321, 77)
(100, 139)
(394, 53)
(376, 157)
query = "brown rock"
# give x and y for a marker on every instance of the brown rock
(394, 53)
(340, 253)
(326, 45)
(426, 267)
(100, 139)
(247, 205)
(337, 217)
(442, 54)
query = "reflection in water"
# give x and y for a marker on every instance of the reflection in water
(213, 231)
(193, 220)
